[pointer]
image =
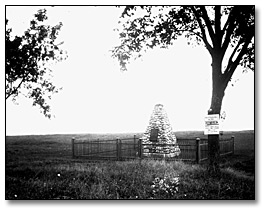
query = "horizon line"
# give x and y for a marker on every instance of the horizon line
(131, 132)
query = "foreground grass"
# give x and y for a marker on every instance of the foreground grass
(41, 167)
(125, 180)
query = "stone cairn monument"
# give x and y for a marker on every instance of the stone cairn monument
(159, 139)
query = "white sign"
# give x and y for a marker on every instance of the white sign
(211, 124)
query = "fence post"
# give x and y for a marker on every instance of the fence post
(120, 149)
(134, 143)
(117, 149)
(198, 151)
(72, 146)
(140, 148)
(98, 147)
(233, 144)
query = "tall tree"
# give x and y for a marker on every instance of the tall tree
(227, 32)
(27, 62)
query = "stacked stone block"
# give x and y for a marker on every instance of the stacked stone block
(159, 139)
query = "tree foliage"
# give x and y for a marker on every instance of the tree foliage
(217, 28)
(27, 61)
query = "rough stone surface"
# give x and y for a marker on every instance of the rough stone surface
(159, 139)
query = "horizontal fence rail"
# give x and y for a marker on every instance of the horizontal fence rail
(116, 149)
(192, 150)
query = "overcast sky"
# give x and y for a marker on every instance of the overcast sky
(98, 97)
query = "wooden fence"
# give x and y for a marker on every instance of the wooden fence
(117, 149)
(193, 150)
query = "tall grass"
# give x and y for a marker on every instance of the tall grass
(41, 167)
(147, 179)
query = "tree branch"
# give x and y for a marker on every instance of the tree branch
(208, 23)
(208, 46)
(13, 91)
(234, 51)
(228, 27)
(242, 52)
(192, 32)
(217, 26)
(234, 64)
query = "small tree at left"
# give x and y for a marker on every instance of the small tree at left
(27, 62)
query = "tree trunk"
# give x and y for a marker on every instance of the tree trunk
(218, 89)
(213, 139)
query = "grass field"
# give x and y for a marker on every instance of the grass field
(41, 167)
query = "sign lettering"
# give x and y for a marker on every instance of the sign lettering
(211, 124)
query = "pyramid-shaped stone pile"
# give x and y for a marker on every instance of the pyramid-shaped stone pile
(159, 139)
